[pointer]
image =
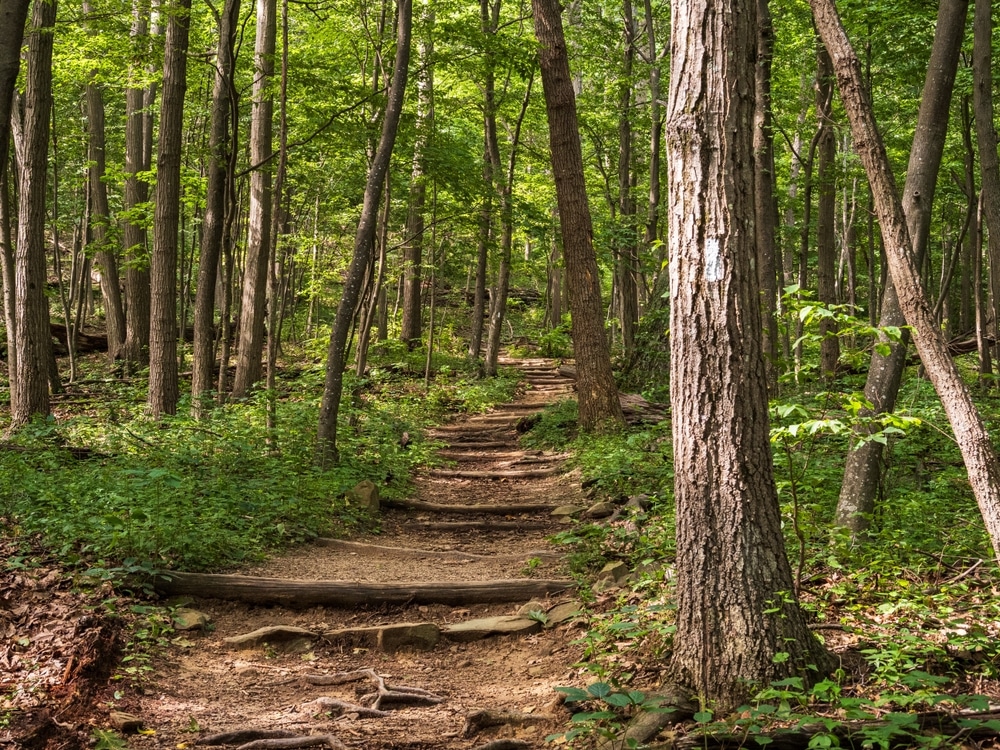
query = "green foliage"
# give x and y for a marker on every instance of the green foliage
(605, 710)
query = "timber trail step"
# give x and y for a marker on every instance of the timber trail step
(449, 629)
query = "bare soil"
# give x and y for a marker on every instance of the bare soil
(203, 686)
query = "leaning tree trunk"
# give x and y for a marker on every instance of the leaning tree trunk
(33, 341)
(863, 469)
(213, 222)
(251, 346)
(970, 431)
(163, 387)
(735, 607)
(364, 243)
(599, 407)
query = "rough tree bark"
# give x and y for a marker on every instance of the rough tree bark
(413, 247)
(364, 243)
(251, 347)
(220, 186)
(735, 606)
(32, 340)
(163, 387)
(863, 467)
(599, 407)
(826, 213)
(970, 431)
(13, 15)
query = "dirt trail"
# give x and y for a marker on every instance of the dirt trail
(208, 686)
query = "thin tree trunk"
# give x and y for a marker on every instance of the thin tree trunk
(627, 261)
(220, 181)
(826, 214)
(364, 241)
(863, 468)
(254, 298)
(967, 425)
(163, 386)
(599, 406)
(655, 132)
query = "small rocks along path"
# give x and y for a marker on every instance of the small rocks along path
(418, 637)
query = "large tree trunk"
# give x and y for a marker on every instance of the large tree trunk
(13, 15)
(986, 139)
(100, 215)
(220, 185)
(970, 431)
(163, 387)
(826, 213)
(32, 341)
(138, 140)
(863, 469)
(364, 243)
(597, 393)
(735, 607)
(251, 346)
(413, 247)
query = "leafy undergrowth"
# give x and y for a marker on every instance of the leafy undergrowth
(109, 490)
(913, 612)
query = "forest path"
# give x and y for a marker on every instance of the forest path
(449, 533)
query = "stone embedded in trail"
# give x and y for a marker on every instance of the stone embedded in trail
(599, 510)
(562, 613)
(272, 635)
(533, 606)
(365, 494)
(567, 510)
(474, 630)
(190, 619)
(418, 635)
(124, 722)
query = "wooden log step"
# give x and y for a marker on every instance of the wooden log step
(411, 553)
(462, 455)
(510, 509)
(491, 525)
(475, 445)
(516, 407)
(499, 474)
(293, 593)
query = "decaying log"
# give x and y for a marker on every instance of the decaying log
(500, 510)
(292, 593)
(419, 554)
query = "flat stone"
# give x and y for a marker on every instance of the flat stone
(124, 722)
(616, 571)
(533, 606)
(599, 510)
(417, 635)
(474, 630)
(567, 510)
(272, 635)
(562, 613)
(190, 619)
(365, 494)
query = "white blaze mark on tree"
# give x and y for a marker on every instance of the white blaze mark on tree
(713, 260)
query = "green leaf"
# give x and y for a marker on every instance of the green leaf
(619, 700)
(703, 717)
(599, 689)
(573, 694)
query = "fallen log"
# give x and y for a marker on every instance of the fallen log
(510, 509)
(497, 456)
(475, 445)
(293, 593)
(479, 525)
(409, 552)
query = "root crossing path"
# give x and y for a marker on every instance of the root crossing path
(449, 629)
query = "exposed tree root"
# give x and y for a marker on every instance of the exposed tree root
(498, 510)
(480, 720)
(352, 593)
(400, 694)
(242, 736)
(294, 742)
(337, 707)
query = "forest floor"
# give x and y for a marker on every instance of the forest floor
(205, 685)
